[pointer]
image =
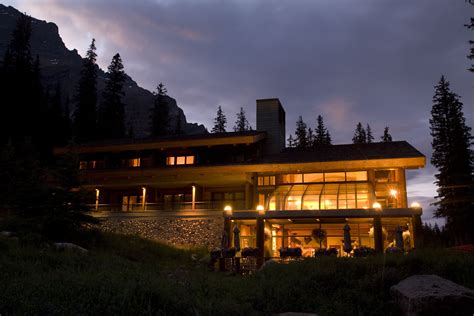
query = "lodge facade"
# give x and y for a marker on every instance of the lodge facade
(276, 196)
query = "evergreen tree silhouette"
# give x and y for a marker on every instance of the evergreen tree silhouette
(160, 112)
(360, 136)
(220, 121)
(242, 124)
(85, 116)
(311, 137)
(20, 83)
(301, 134)
(369, 136)
(386, 137)
(111, 121)
(322, 134)
(452, 157)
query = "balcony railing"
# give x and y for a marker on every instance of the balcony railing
(164, 206)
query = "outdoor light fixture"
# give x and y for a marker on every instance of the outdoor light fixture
(377, 206)
(415, 205)
(393, 192)
(228, 209)
(261, 210)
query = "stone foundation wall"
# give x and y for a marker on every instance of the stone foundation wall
(173, 231)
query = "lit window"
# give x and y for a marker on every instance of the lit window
(180, 160)
(131, 163)
(82, 165)
(335, 177)
(92, 164)
(356, 176)
(170, 161)
(135, 162)
(268, 180)
(313, 177)
(292, 178)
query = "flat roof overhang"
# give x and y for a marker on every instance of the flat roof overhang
(196, 174)
(347, 213)
(164, 144)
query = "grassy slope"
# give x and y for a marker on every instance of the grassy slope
(128, 275)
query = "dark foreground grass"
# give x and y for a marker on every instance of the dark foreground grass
(128, 275)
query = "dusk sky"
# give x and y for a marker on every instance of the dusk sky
(371, 61)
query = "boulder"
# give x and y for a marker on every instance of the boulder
(69, 246)
(432, 295)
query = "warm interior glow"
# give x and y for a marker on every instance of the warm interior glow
(261, 210)
(393, 192)
(228, 209)
(377, 206)
(415, 205)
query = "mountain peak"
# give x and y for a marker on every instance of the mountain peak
(59, 64)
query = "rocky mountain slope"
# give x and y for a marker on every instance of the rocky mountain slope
(59, 64)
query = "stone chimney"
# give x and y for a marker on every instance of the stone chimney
(271, 119)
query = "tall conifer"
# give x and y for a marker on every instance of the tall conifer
(220, 121)
(369, 136)
(360, 136)
(322, 136)
(452, 157)
(111, 122)
(85, 116)
(160, 112)
(301, 134)
(242, 124)
(386, 137)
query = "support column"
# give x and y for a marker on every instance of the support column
(193, 197)
(97, 195)
(378, 235)
(402, 188)
(143, 198)
(228, 230)
(417, 234)
(260, 240)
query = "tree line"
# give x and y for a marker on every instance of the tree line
(305, 137)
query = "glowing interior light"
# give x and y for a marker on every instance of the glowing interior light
(377, 206)
(228, 209)
(260, 209)
(415, 205)
(393, 192)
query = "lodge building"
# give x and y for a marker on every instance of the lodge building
(276, 196)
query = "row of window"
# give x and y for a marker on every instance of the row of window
(321, 196)
(314, 177)
(137, 162)
(179, 160)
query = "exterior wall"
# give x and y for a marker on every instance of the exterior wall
(173, 231)
(271, 119)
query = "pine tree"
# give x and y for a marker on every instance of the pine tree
(369, 136)
(242, 124)
(291, 141)
(19, 82)
(322, 136)
(453, 159)
(220, 121)
(111, 121)
(359, 135)
(85, 116)
(301, 134)
(386, 137)
(160, 113)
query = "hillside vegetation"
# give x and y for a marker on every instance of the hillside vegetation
(129, 275)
